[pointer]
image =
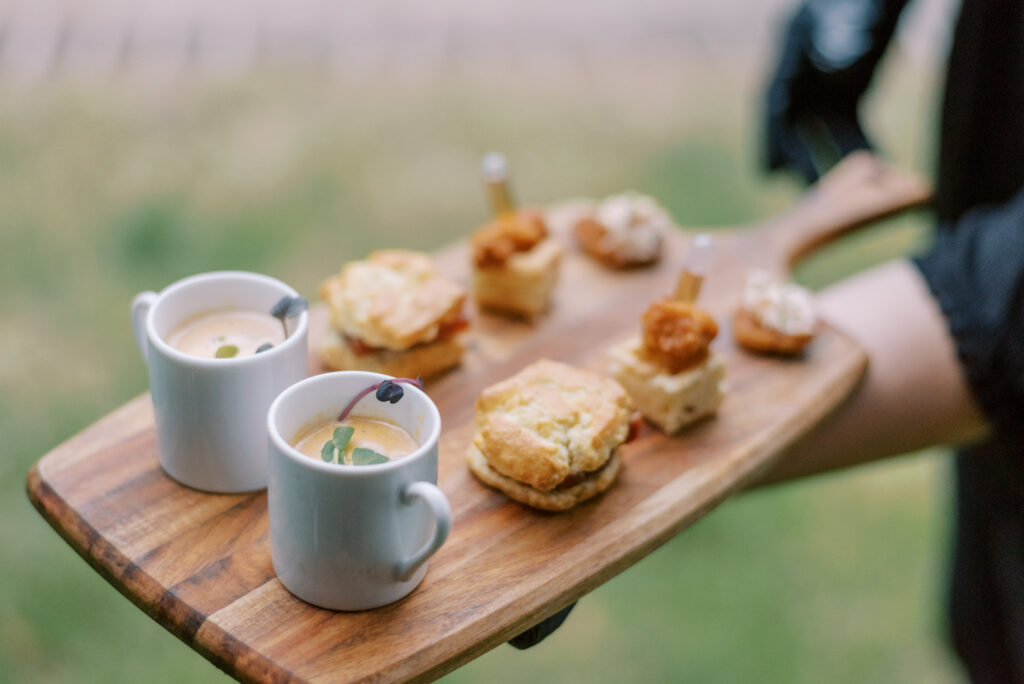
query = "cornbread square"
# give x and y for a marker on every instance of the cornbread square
(523, 284)
(424, 360)
(670, 401)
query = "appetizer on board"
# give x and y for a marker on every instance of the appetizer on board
(624, 231)
(669, 369)
(514, 260)
(774, 317)
(393, 313)
(550, 436)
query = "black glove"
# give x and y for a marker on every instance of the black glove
(829, 54)
(542, 630)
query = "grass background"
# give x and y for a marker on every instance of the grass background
(106, 191)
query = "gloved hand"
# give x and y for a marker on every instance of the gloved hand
(542, 630)
(829, 55)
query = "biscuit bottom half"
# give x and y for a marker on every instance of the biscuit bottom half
(556, 499)
(669, 400)
(422, 360)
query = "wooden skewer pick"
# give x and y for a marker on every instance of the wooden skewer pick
(696, 268)
(495, 172)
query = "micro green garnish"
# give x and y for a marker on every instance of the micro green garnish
(361, 456)
(333, 450)
(226, 351)
(387, 390)
(288, 307)
(266, 346)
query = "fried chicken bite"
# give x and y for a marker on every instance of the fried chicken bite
(497, 241)
(676, 335)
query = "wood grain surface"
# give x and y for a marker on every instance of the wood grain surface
(200, 565)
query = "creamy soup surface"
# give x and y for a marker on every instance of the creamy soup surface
(387, 439)
(205, 333)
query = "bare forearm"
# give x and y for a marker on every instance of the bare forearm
(913, 394)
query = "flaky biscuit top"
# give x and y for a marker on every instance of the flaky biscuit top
(549, 421)
(393, 299)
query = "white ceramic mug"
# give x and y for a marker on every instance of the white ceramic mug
(211, 413)
(353, 537)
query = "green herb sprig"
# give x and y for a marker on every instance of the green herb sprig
(226, 351)
(334, 450)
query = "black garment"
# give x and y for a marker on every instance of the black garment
(828, 58)
(981, 153)
(976, 272)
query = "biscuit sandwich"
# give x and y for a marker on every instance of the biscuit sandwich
(774, 317)
(624, 231)
(551, 435)
(393, 313)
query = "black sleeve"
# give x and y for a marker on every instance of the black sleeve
(976, 272)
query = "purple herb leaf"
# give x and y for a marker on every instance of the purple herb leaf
(390, 393)
(288, 307)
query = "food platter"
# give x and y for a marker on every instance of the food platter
(200, 564)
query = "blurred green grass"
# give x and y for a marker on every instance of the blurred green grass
(106, 191)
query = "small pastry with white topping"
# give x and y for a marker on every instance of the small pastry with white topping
(775, 317)
(624, 231)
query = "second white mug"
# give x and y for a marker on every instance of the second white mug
(350, 537)
(211, 413)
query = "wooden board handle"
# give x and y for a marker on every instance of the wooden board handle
(861, 189)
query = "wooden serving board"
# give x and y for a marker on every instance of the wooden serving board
(200, 565)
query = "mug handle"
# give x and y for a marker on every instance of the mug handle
(438, 503)
(141, 305)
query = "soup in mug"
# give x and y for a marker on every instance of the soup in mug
(387, 439)
(227, 333)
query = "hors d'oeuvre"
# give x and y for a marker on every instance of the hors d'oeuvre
(514, 260)
(550, 435)
(774, 317)
(669, 369)
(393, 313)
(624, 231)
